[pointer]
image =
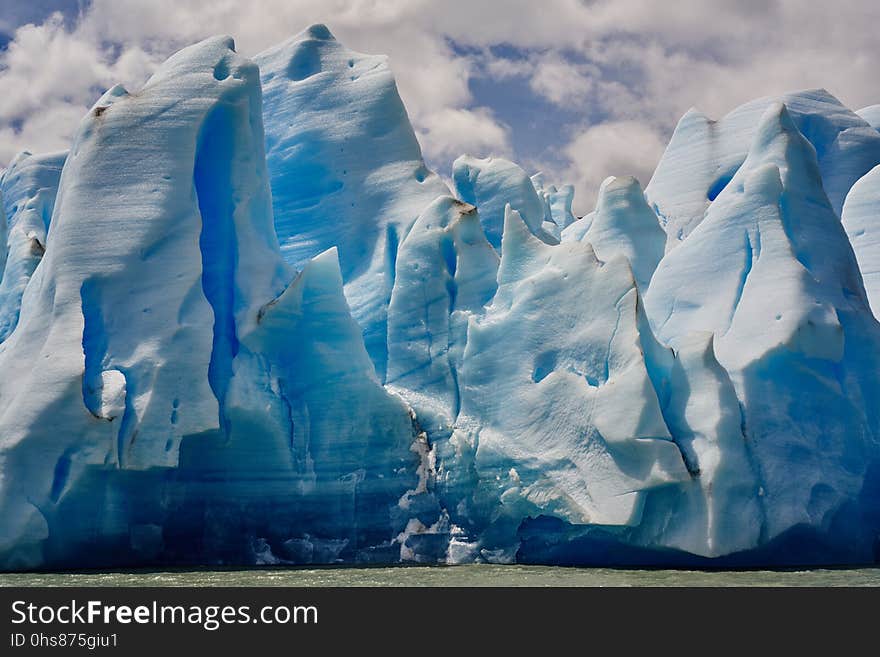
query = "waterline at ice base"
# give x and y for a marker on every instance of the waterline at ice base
(242, 323)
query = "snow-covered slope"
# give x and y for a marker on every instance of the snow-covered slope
(225, 344)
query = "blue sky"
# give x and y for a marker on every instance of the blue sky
(20, 12)
(581, 90)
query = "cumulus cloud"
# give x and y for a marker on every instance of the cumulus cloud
(52, 72)
(458, 131)
(50, 75)
(624, 69)
(562, 81)
(612, 148)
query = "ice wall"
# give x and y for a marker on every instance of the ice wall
(224, 344)
(344, 165)
(704, 155)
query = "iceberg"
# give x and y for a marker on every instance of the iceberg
(446, 271)
(574, 430)
(242, 323)
(500, 448)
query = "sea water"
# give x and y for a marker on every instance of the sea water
(470, 575)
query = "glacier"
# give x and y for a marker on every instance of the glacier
(858, 217)
(805, 339)
(241, 322)
(622, 224)
(704, 154)
(357, 181)
(871, 115)
(492, 184)
(28, 188)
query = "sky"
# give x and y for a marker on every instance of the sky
(578, 89)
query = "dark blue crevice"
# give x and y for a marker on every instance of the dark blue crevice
(719, 184)
(392, 244)
(450, 258)
(61, 475)
(94, 345)
(743, 279)
(217, 243)
(128, 424)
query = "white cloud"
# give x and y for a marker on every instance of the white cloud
(49, 130)
(501, 68)
(50, 77)
(561, 81)
(457, 131)
(53, 70)
(550, 75)
(628, 65)
(46, 62)
(610, 149)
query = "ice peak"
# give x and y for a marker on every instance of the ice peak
(491, 184)
(623, 224)
(110, 96)
(775, 122)
(693, 115)
(516, 231)
(691, 121)
(303, 52)
(317, 31)
(626, 189)
(357, 181)
(326, 266)
(519, 247)
(19, 157)
(871, 115)
(321, 276)
(703, 156)
(212, 60)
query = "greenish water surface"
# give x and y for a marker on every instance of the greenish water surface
(471, 575)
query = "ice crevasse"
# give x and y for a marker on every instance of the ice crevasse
(241, 322)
